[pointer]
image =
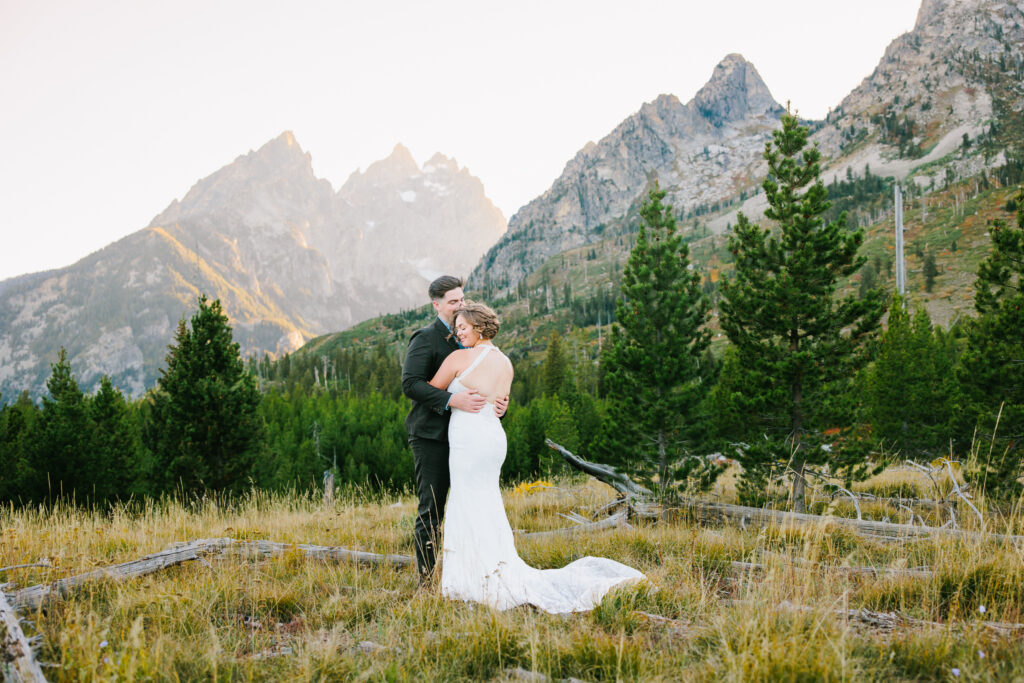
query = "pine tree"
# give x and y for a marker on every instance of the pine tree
(61, 457)
(795, 339)
(655, 369)
(203, 427)
(19, 480)
(992, 367)
(113, 443)
(910, 389)
(556, 366)
(930, 271)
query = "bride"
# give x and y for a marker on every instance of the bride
(480, 562)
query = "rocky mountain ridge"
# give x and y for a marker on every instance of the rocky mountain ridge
(906, 119)
(288, 256)
(701, 152)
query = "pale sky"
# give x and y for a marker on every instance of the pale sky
(111, 109)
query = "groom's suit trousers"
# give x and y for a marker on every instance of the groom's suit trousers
(430, 459)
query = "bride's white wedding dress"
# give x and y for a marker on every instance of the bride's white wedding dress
(480, 562)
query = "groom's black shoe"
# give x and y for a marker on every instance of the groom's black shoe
(427, 582)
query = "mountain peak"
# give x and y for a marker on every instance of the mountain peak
(280, 159)
(734, 92)
(282, 147)
(932, 9)
(402, 155)
(440, 161)
(398, 164)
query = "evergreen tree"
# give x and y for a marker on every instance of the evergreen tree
(113, 444)
(61, 456)
(19, 478)
(559, 426)
(868, 280)
(556, 366)
(652, 368)
(910, 389)
(992, 368)
(724, 403)
(796, 341)
(930, 270)
(203, 426)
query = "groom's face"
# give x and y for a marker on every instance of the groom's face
(450, 304)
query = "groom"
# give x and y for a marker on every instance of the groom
(427, 422)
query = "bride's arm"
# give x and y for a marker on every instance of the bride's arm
(446, 373)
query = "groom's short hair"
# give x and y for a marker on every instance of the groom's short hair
(444, 284)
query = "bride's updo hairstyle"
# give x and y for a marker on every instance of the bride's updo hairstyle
(481, 318)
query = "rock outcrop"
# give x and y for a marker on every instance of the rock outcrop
(914, 110)
(700, 152)
(926, 94)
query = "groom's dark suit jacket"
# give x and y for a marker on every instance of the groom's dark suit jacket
(428, 348)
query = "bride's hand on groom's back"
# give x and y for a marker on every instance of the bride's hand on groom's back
(468, 400)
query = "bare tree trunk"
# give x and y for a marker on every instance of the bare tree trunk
(662, 464)
(797, 426)
(798, 486)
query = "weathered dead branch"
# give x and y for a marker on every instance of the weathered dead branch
(606, 473)
(179, 553)
(708, 512)
(17, 662)
(619, 519)
(711, 512)
(873, 572)
(922, 502)
(43, 563)
(315, 552)
(34, 596)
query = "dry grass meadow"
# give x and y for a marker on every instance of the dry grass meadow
(799, 615)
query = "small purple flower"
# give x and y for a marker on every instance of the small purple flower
(981, 654)
(981, 608)
(956, 673)
(103, 644)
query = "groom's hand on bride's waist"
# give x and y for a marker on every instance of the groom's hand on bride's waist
(468, 400)
(500, 406)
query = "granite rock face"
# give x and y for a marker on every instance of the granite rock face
(700, 152)
(927, 78)
(710, 149)
(288, 257)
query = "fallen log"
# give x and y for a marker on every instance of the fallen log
(711, 512)
(179, 553)
(708, 512)
(17, 662)
(873, 572)
(34, 596)
(611, 522)
(921, 502)
(316, 552)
